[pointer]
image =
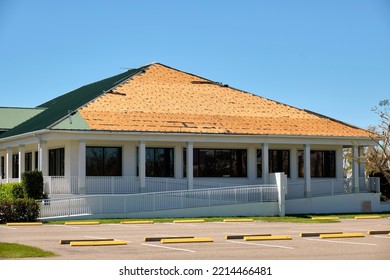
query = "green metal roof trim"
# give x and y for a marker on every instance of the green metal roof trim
(75, 122)
(59, 108)
(11, 117)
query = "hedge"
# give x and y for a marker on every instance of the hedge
(32, 182)
(18, 210)
(11, 191)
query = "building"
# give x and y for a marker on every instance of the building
(156, 128)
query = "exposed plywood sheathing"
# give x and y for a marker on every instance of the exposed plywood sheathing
(167, 100)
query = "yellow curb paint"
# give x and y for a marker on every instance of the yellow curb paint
(325, 218)
(342, 235)
(313, 234)
(367, 217)
(151, 239)
(263, 238)
(189, 221)
(136, 222)
(62, 242)
(186, 240)
(241, 236)
(98, 243)
(81, 223)
(25, 224)
(237, 220)
(371, 232)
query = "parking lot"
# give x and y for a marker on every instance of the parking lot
(368, 247)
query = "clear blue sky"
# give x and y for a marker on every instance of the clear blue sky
(328, 56)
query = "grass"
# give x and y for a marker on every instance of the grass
(16, 251)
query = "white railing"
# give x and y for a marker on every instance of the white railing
(154, 201)
(120, 185)
(9, 180)
(332, 187)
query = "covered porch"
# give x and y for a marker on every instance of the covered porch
(118, 163)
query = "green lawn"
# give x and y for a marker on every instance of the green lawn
(16, 251)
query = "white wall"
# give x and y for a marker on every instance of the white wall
(347, 203)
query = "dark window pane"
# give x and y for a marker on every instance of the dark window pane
(104, 161)
(159, 162)
(57, 162)
(15, 166)
(322, 164)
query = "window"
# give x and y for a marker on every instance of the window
(159, 162)
(322, 164)
(103, 161)
(28, 161)
(57, 162)
(36, 160)
(219, 162)
(278, 161)
(15, 166)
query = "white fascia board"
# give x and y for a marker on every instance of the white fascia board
(207, 138)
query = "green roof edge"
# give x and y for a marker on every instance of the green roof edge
(59, 108)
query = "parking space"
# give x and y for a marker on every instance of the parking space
(368, 247)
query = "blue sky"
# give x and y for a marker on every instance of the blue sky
(327, 56)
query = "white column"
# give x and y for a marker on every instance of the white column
(82, 167)
(190, 165)
(178, 162)
(339, 164)
(294, 164)
(22, 161)
(355, 168)
(265, 162)
(142, 165)
(362, 164)
(43, 158)
(8, 164)
(307, 168)
(252, 164)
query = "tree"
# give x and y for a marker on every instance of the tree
(377, 157)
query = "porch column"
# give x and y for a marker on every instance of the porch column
(252, 165)
(142, 165)
(294, 164)
(82, 167)
(22, 161)
(355, 168)
(362, 164)
(307, 168)
(178, 162)
(43, 157)
(8, 164)
(265, 162)
(190, 165)
(339, 164)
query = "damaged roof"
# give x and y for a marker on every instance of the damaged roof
(160, 99)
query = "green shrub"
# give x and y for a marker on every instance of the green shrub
(11, 191)
(32, 182)
(18, 210)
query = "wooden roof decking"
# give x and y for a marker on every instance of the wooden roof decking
(163, 99)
